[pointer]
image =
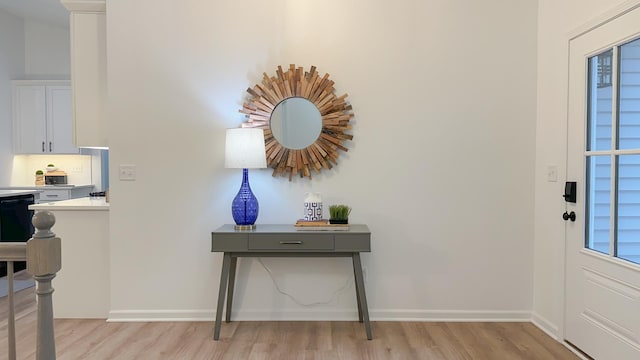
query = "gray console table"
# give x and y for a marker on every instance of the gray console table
(288, 241)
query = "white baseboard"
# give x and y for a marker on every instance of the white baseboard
(320, 315)
(547, 326)
(160, 315)
(450, 315)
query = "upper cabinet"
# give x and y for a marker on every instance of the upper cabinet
(42, 121)
(87, 25)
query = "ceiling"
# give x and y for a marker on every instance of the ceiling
(47, 11)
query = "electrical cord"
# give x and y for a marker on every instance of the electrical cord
(334, 296)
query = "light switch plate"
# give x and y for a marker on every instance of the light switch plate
(552, 173)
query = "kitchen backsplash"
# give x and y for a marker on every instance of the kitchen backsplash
(77, 167)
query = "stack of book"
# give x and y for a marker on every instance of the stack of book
(316, 225)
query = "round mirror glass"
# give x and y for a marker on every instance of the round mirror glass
(296, 123)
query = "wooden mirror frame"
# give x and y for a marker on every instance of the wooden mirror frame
(334, 110)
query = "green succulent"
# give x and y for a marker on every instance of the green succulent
(39, 172)
(50, 165)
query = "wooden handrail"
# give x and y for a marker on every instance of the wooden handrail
(13, 251)
(43, 255)
(10, 252)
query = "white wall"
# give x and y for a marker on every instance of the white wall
(441, 166)
(556, 19)
(47, 54)
(11, 67)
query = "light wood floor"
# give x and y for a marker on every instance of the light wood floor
(98, 340)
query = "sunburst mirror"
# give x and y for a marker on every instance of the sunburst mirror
(304, 122)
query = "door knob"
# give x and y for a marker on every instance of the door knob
(569, 216)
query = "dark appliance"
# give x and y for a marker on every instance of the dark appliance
(15, 224)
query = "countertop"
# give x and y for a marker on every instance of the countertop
(45, 187)
(6, 193)
(85, 203)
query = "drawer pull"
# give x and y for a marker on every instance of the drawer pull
(297, 242)
(51, 195)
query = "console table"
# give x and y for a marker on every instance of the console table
(288, 241)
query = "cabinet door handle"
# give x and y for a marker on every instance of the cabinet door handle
(43, 146)
(50, 146)
(51, 195)
(296, 242)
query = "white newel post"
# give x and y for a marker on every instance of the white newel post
(44, 254)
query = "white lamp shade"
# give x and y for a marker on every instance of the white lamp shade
(244, 149)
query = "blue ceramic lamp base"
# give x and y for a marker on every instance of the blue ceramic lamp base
(244, 207)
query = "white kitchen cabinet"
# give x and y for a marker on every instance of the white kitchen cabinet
(55, 195)
(42, 122)
(50, 195)
(87, 26)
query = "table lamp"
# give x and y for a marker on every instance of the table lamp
(244, 149)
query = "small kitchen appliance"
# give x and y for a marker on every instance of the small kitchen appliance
(55, 178)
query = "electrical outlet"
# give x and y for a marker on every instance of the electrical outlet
(76, 169)
(127, 172)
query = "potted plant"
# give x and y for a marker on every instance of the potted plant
(39, 177)
(51, 167)
(339, 214)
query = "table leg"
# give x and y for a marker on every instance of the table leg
(357, 268)
(224, 276)
(357, 295)
(232, 280)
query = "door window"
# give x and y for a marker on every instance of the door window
(612, 153)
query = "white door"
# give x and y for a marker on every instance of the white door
(602, 309)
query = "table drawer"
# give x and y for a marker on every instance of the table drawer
(291, 242)
(54, 195)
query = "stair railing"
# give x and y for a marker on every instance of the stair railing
(43, 255)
